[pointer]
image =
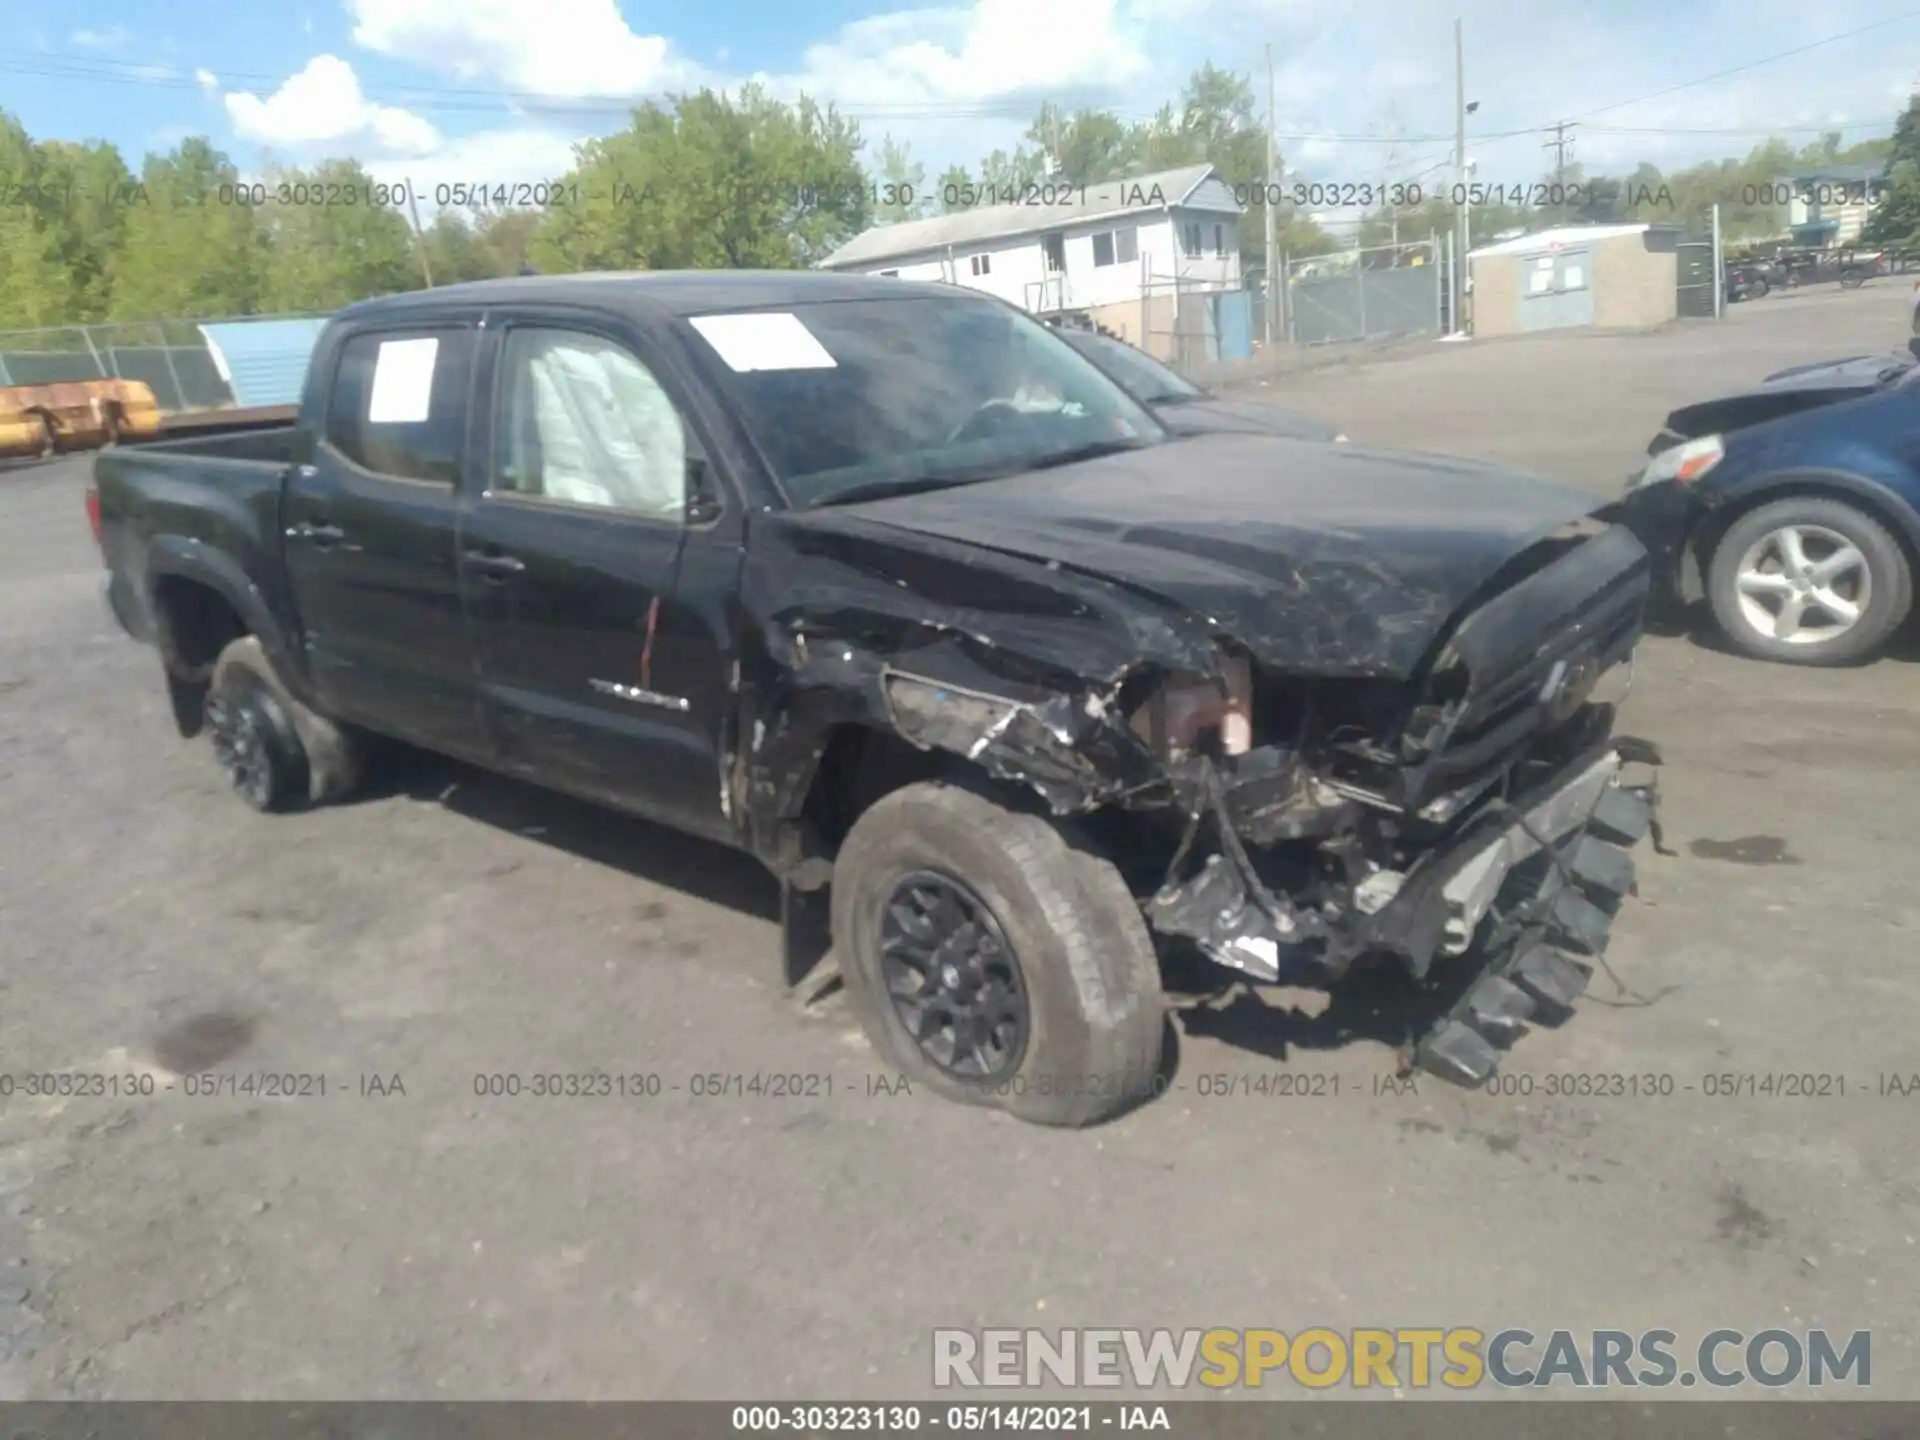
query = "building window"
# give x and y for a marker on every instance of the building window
(981, 264)
(1126, 244)
(1103, 248)
(1219, 239)
(1190, 237)
(1054, 249)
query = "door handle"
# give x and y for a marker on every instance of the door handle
(494, 566)
(322, 534)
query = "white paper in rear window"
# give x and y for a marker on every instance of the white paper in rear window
(402, 382)
(763, 340)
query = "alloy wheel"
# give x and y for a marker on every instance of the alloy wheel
(1803, 585)
(953, 979)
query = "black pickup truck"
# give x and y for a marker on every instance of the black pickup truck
(1015, 691)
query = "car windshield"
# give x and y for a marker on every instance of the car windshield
(854, 398)
(1145, 376)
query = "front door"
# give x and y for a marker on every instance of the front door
(371, 535)
(599, 598)
(1556, 290)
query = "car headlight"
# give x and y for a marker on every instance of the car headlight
(1340, 439)
(1685, 462)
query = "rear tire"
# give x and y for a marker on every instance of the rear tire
(318, 761)
(1751, 581)
(254, 741)
(1064, 944)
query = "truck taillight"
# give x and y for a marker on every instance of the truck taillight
(93, 513)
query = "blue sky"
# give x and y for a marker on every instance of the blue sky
(499, 90)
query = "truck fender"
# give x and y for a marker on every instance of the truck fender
(173, 556)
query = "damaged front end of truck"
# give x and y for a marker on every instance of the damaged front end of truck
(1370, 774)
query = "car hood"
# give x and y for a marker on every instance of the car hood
(1332, 558)
(1788, 392)
(1237, 417)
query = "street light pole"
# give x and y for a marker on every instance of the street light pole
(1460, 178)
(1270, 196)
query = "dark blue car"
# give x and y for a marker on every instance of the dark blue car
(1792, 509)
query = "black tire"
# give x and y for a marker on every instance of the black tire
(1094, 1010)
(331, 759)
(253, 738)
(1758, 290)
(1890, 581)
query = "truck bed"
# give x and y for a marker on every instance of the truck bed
(271, 444)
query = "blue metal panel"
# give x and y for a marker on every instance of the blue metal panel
(1233, 319)
(264, 362)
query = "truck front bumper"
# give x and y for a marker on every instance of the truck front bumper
(1530, 912)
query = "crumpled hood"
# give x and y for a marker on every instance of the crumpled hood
(1238, 417)
(1330, 557)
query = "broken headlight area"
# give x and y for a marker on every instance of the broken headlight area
(1299, 858)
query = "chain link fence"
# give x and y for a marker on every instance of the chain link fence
(170, 357)
(1382, 293)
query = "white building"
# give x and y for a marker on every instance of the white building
(1102, 252)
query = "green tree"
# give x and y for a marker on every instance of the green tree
(35, 286)
(1895, 221)
(902, 184)
(330, 245)
(191, 246)
(712, 181)
(87, 188)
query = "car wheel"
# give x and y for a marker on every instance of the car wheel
(312, 759)
(994, 959)
(254, 741)
(1759, 289)
(1809, 581)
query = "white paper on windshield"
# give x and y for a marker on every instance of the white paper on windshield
(764, 341)
(402, 382)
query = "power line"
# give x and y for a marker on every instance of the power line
(1754, 64)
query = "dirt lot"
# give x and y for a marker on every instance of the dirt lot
(434, 1243)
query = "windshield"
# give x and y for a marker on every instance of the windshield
(1145, 376)
(863, 395)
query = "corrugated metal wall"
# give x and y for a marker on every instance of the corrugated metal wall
(264, 362)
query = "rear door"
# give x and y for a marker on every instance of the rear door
(602, 599)
(371, 533)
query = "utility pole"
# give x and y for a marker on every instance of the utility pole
(1459, 281)
(1559, 147)
(419, 236)
(1270, 196)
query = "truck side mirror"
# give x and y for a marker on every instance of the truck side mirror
(703, 500)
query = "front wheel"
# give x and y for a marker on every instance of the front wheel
(1809, 581)
(994, 960)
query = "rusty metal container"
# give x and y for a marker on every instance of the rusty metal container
(77, 415)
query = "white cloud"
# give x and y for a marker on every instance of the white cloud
(324, 105)
(562, 48)
(206, 79)
(110, 37)
(991, 49)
